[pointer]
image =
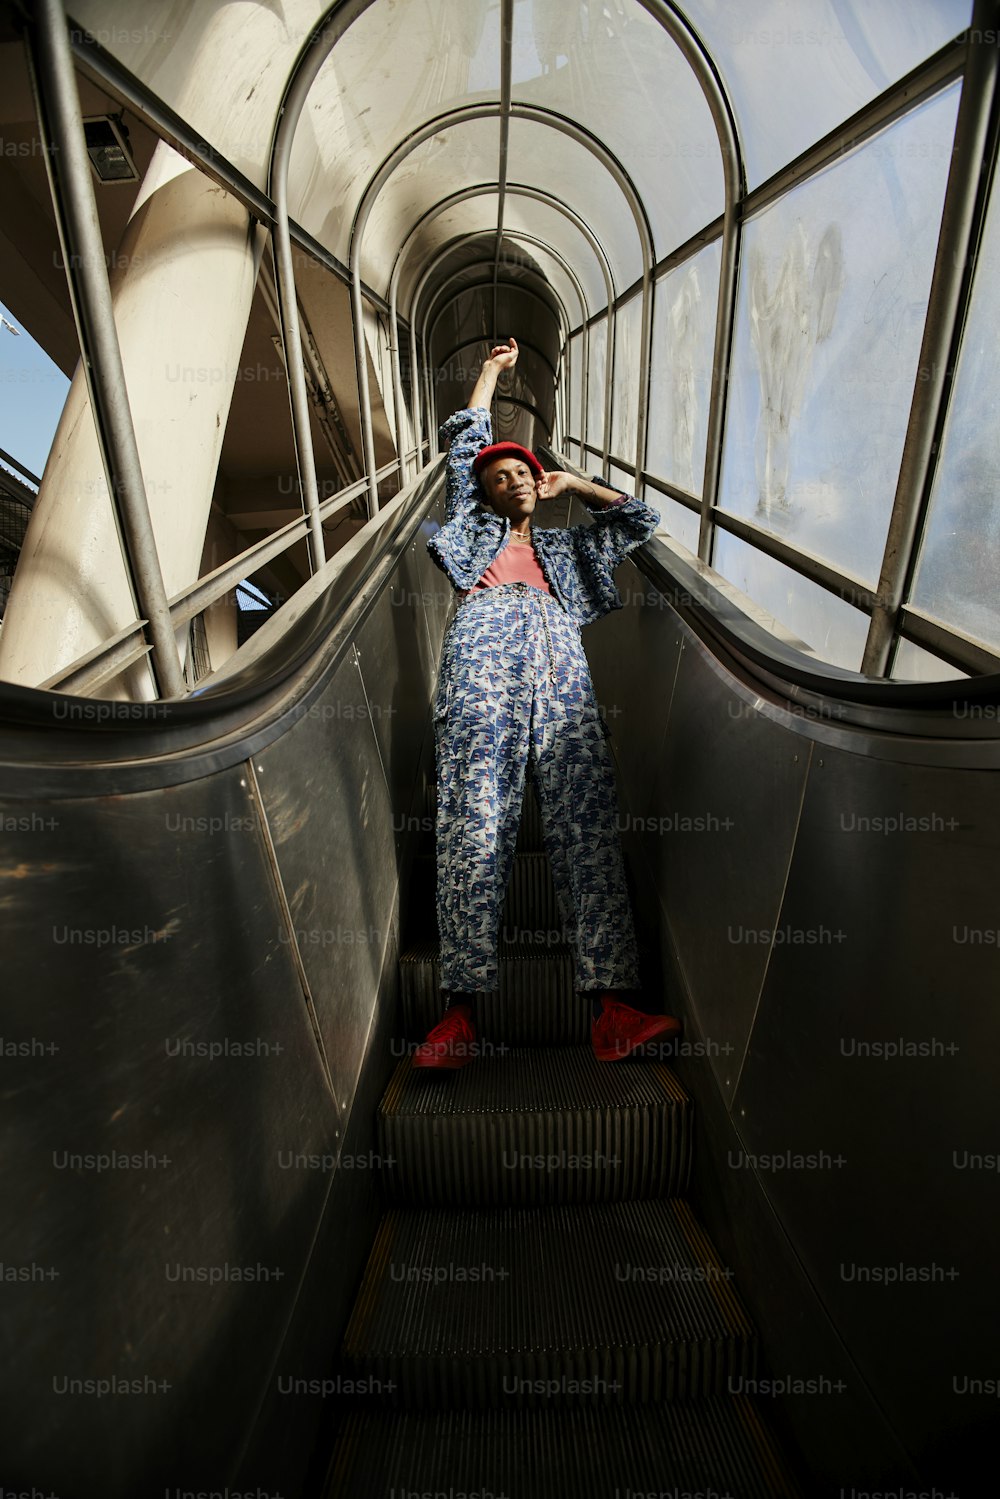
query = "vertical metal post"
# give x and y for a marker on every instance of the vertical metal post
(962, 216)
(416, 393)
(397, 394)
(506, 48)
(725, 318)
(609, 380)
(315, 50)
(361, 365)
(291, 335)
(693, 49)
(432, 421)
(72, 188)
(645, 361)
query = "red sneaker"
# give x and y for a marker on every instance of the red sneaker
(452, 1042)
(622, 1030)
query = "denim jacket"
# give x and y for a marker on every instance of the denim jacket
(578, 561)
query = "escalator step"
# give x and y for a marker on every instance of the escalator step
(607, 1303)
(535, 1005)
(719, 1449)
(534, 1126)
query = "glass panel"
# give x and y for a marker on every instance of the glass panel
(832, 301)
(679, 522)
(577, 58)
(595, 383)
(553, 228)
(395, 68)
(476, 216)
(958, 571)
(625, 407)
(619, 479)
(914, 664)
(543, 156)
(465, 154)
(558, 281)
(684, 314)
(834, 630)
(576, 386)
(796, 71)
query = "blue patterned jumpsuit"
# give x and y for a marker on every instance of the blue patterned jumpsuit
(514, 687)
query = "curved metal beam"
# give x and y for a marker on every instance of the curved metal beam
(466, 114)
(469, 286)
(516, 234)
(300, 80)
(537, 195)
(478, 338)
(720, 106)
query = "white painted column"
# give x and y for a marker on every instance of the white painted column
(182, 284)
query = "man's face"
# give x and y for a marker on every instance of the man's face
(509, 486)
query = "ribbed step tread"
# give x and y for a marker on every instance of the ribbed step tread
(535, 1004)
(612, 1302)
(704, 1447)
(535, 1126)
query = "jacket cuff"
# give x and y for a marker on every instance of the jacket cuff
(596, 479)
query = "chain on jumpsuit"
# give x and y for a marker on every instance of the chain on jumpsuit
(515, 689)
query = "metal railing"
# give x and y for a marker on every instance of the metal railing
(892, 617)
(114, 656)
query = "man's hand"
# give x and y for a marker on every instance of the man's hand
(550, 486)
(504, 356)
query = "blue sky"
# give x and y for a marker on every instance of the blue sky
(32, 395)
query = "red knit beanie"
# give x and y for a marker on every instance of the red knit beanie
(506, 450)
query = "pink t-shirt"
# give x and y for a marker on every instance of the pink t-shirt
(517, 563)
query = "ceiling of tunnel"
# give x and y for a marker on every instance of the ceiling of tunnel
(609, 66)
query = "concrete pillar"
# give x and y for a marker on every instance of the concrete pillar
(182, 284)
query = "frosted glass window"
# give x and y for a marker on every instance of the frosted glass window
(393, 70)
(625, 408)
(958, 574)
(795, 71)
(551, 272)
(543, 156)
(475, 216)
(578, 59)
(576, 385)
(555, 229)
(914, 664)
(464, 154)
(832, 302)
(595, 384)
(685, 303)
(835, 630)
(619, 479)
(678, 521)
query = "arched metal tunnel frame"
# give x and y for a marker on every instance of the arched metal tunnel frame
(51, 55)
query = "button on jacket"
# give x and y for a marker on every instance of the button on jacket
(578, 561)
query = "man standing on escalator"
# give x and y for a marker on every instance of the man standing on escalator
(514, 689)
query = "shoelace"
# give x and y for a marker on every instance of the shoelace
(451, 1026)
(617, 1017)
